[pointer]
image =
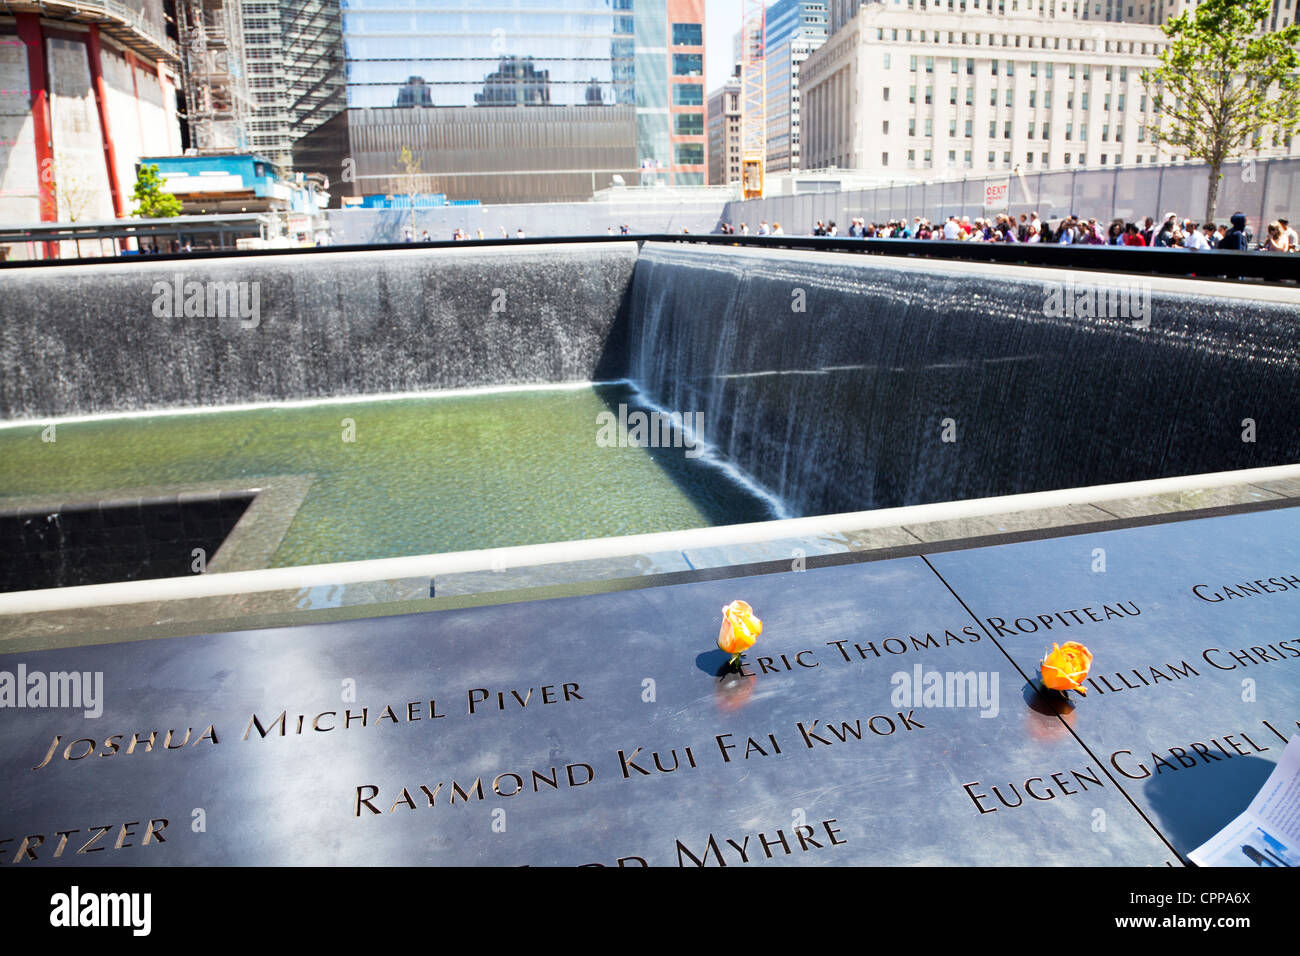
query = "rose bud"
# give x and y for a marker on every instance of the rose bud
(739, 629)
(1066, 667)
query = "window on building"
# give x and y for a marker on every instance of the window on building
(1047, 99)
(929, 127)
(995, 67)
(1033, 96)
(968, 130)
(1047, 70)
(1010, 96)
(970, 96)
(966, 159)
(952, 128)
(1123, 74)
(1029, 159)
(911, 127)
(1121, 103)
(886, 61)
(952, 96)
(952, 157)
(884, 92)
(1031, 130)
(1047, 131)
(993, 128)
(1011, 68)
(690, 94)
(885, 127)
(1109, 72)
(688, 34)
(688, 124)
(992, 157)
(929, 64)
(884, 159)
(1083, 100)
(1006, 130)
(1043, 159)
(928, 158)
(1069, 131)
(912, 64)
(911, 157)
(911, 94)
(993, 97)
(1067, 159)
(690, 154)
(1033, 68)
(929, 94)
(956, 63)
(1072, 71)
(1083, 132)
(688, 64)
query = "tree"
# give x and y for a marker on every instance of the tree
(152, 202)
(409, 166)
(1221, 81)
(73, 192)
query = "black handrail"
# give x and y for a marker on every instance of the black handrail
(1268, 267)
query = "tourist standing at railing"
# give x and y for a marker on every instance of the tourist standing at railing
(1235, 238)
(1148, 230)
(1194, 239)
(1164, 238)
(1292, 238)
(1276, 241)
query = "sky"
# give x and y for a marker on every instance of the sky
(721, 22)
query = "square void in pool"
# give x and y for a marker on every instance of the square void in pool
(103, 542)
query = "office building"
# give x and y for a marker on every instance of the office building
(519, 105)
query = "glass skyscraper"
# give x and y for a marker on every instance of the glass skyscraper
(645, 57)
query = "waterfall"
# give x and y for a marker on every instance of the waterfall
(834, 380)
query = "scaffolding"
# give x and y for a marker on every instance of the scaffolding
(217, 98)
(753, 97)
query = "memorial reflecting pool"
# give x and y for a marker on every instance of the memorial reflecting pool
(418, 475)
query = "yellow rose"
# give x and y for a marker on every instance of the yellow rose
(740, 629)
(1066, 667)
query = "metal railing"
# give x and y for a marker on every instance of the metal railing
(1224, 265)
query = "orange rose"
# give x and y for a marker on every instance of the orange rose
(1066, 667)
(740, 629)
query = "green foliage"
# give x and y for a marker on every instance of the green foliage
(151, 201)
(1222, 80)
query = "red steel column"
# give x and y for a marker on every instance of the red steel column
(30, 33)
(95, 52)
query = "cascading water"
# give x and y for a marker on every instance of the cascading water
(850, 383)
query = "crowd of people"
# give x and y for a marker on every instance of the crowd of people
(1173, 233)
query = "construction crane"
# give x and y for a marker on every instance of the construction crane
(753, 97)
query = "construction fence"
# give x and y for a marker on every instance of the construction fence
(1262, 189)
